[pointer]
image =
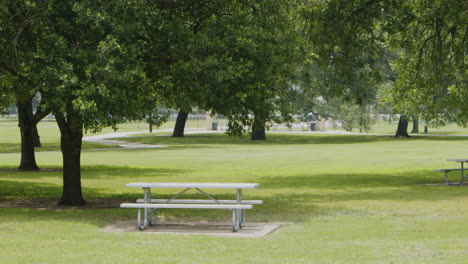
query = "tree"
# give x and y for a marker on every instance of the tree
(431, 64)
(16, 49)
(156, 117)
(402, 129)
(180, 123)
(253, 50)
(415, 120)
(88, 60)
(186, 20)
(349, 59)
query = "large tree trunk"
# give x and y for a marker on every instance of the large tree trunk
(71, 130)
(180, 124)
(415, 124)
(258, 127)
(25, 120)
(402, 130)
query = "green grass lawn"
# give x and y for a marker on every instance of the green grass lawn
(341, 199)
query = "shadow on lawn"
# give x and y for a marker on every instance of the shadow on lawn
(91, 172)
(348, 181)
(408, 186)
(286, 199)
(108, 172)
(281, 139)
(21, 189)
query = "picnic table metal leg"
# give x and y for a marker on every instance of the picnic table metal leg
(462, 174)
(452, 183)
(238, 212)
(242, 218)
(146, 211)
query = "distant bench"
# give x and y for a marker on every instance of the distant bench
(149, 205)
(446, 172)
(462, 170)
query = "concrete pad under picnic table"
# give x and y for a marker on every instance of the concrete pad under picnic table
(196, 228)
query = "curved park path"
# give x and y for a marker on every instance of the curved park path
(108, 140)
(109, 137)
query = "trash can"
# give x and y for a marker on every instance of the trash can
(312, 127)
(214, 126)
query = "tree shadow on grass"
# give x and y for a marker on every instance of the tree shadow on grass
(25, 189)
(299, 207)
(286, 199)
(352, 180)
(108, 172)
(408, 186)
(284, 208)
(280, 139)
(92, 172)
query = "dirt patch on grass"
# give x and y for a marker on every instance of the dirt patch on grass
(51, 203)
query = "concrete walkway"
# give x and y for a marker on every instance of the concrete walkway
(107, 139)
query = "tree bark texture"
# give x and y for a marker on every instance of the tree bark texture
(71, 130)
(38, 116)
(258, 127)
(25, 120)
(415, 125)
(36, 137)
(402, 130)
(180, 124)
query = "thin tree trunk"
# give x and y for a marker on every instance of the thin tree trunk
(25, 120)
(71, 131)
(180, 124)
(38, 116)
(402, 130)
(36, 137)
(258, 127)
(415, 124)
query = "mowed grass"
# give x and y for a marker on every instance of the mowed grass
(49, 135)
(341, 199)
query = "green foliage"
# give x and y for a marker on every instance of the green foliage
(431, 62)
(348, 59)
(347, 114)
(6, 95)
(157, 117)
(87, 58)
(254, 53)
(17, 45)
(346, 40)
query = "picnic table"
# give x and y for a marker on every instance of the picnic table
(461, 169)
(150, 205)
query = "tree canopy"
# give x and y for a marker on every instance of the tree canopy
(431, 60)
(99, 63)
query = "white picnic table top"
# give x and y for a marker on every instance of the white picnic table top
(458, 160)
(193, 185)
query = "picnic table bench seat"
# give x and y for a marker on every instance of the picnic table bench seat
(185, 206)
(236, 223)
(446, 172)
(200, 201)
